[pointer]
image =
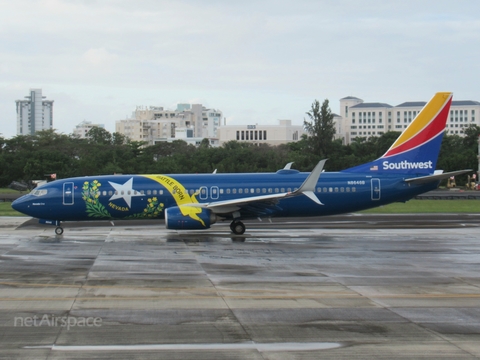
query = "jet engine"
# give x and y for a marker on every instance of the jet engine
(188, 218)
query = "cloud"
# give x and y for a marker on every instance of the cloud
(271, 57)
(99, 57)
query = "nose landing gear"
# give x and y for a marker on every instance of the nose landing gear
(59, 230)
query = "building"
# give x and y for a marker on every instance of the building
(359, 119)
(82, 129)
(34, 114)
(188, 122)
(282, 133)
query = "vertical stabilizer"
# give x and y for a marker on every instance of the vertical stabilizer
(416, 149)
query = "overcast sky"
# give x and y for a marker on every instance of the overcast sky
(257, 61)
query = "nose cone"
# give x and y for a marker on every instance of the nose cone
(21, 205)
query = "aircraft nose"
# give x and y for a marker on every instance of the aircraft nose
(20, 205)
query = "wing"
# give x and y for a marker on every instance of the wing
(266, 204)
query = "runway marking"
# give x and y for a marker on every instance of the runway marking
(249, 297)
(162, 289)
(212, 293)
(262, 347)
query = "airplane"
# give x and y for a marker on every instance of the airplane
(196, 201)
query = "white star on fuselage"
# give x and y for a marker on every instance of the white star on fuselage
(124, 191)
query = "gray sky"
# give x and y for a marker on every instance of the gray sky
(257, 61)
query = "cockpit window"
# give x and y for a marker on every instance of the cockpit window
(39, 192)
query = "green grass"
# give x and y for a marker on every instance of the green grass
(428, 206)
(11, 191)
(6, 210)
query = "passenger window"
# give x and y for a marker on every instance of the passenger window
(354, 189)
(348, 189)
(330, 189)
(161, 192)
(234, 191)
(104, 193)
(324, 189)
(277, 190)
(342, 189)
(319, 189)
(258, 191)
(149, 192)
(240, 191)
(154, 192)
(282, 190)
(228, 191)
(336, 189)
(270, 190)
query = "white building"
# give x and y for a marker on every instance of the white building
(82, 129)
(359, 119)
(188, 122)
(34, 114)
(282, 133)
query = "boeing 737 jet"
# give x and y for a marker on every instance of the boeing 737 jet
(196, 201)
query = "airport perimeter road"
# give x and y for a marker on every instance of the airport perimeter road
(346, 287)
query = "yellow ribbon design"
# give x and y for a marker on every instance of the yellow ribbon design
(180, 195)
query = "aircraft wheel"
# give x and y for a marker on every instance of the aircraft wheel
(238, 228)
(59, 230)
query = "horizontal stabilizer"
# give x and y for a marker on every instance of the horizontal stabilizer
(437, 177)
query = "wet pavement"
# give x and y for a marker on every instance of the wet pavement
(343, 287)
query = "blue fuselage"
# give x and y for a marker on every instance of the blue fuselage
(147, 196)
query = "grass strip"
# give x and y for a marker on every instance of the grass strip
(428, 206)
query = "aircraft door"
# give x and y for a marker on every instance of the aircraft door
(203, 193)
(375, 189)
(214, 192)
(68, 193)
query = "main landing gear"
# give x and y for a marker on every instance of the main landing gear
(237, 227)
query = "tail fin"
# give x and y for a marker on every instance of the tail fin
(416, 149)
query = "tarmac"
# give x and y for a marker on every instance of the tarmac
(341, 287)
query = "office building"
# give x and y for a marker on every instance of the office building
(360, 119)
(189, 122)
(282, 133)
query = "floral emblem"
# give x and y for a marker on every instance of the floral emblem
(90, 194)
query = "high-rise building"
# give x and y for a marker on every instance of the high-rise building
(34, 114)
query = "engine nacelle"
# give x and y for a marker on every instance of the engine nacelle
(188, 218)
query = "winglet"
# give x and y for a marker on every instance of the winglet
(308, 186)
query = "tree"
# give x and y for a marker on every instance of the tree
(321, 128)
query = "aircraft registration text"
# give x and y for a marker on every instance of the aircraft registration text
(356, 182)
